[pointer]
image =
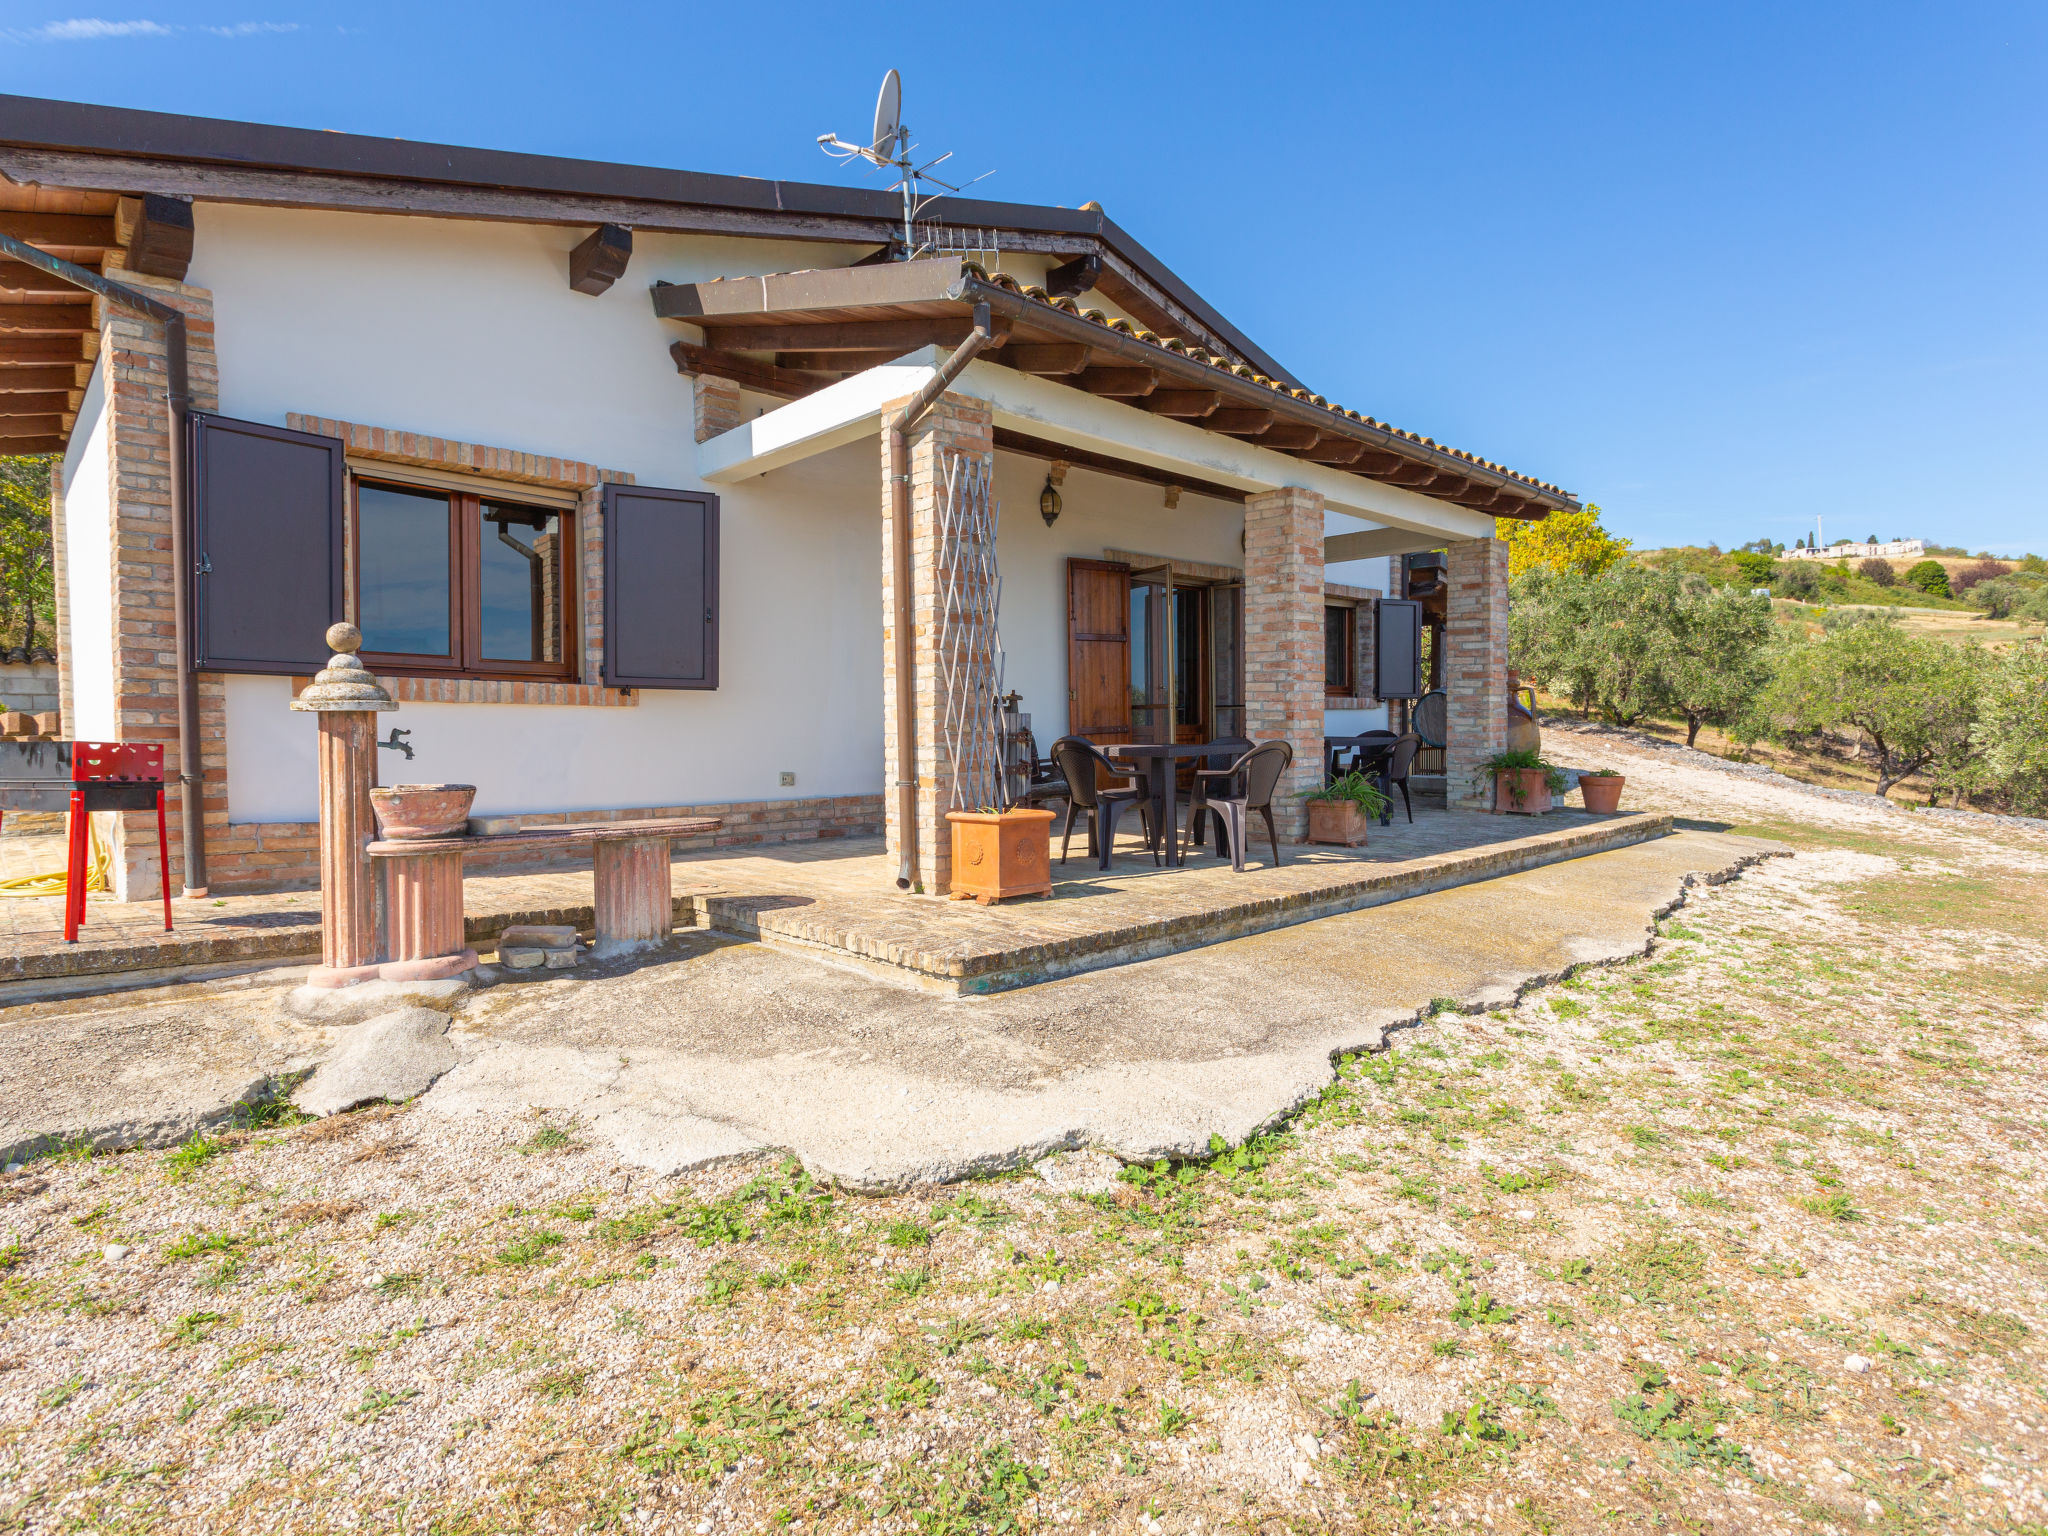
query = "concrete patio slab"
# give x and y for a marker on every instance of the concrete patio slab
(721, 1048)
(838, 897)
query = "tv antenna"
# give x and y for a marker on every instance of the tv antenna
(891, 147)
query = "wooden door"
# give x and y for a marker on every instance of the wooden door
(1099, 650)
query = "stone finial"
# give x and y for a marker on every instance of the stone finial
(344, 683)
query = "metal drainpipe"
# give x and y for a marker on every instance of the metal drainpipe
(191, 793)
(900, 604)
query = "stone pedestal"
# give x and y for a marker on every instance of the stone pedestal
(422, 912)
(348, 700)
(633, 904)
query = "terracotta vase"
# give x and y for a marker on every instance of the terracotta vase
(1602, 791)
(999, 854)
(1521, 792)
(1342, 822)
(412, 812)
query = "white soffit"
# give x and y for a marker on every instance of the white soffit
(852, 409)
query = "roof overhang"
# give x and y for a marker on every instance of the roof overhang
(117, 149)
(1054, 414)
(822, 325)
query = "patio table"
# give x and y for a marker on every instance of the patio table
(1163, 784)
(1373, 747)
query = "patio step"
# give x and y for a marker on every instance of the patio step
(1022, 943)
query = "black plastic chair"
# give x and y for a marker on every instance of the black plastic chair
(1395, 771)
(1228, 750)
(1362, 747)
(1046, 785)
(1080, 763)
(1430, 721)
(1255, 776)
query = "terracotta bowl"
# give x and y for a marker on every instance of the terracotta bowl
(408, 812)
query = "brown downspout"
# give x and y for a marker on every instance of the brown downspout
(894, 429)
(191, 792)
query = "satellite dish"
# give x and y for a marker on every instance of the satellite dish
(888, 116)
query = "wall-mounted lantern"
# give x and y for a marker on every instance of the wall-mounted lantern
(1049, 499)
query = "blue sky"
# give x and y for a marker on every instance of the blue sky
(1722, 270)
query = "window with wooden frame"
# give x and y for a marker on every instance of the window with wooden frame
(463, 582)
(1339, 647)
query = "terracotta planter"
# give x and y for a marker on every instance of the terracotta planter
(999, 854)
(1342, 822)
(410, 812)
(1602, 792)
(1521, 792)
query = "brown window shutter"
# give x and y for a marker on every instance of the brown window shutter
(1397, 649)
(660, 588)
(264, 506)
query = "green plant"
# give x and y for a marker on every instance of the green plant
(1929, 576)
(1353, 788)
(1600, 773)
(1524, 760)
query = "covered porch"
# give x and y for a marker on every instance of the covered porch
(1214, 627)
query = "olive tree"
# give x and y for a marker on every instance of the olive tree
(1913, 699)
(27, 592)
(2012, 725)
(1715, 645)
(1600, 641)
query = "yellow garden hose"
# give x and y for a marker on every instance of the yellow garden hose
(99, 866)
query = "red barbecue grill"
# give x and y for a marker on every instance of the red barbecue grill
(82, 777)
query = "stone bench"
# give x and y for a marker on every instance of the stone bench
(423, 891)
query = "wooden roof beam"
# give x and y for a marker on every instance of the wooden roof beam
(1052, 360)
(1239, 420)
(65, 231)
(22, 351)
(20, 277)
(157, 232)
(1184, 404)
(52, 403)
(600, 259)
(44, 319)
(1074, 277)
(1288, 437)
(17, 381)
(895, 337)
(835, 362)
(764, 378)
(13, 427)
(1118, 383)
(1336, 450)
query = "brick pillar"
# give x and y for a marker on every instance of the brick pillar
(955, 425)
(145, 652)
(1475, 668)
(717, 403)
(1283, 640)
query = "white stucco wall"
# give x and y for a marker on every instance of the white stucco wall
(89, 570)
(470, 331)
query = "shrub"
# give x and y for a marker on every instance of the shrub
(1878, 571)
(1796, 579)
(1754, 568)
(1929, 576)
(1971, 575)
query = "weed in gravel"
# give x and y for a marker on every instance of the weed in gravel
(386, 1220)
(377, 1402)
(1833, 1207)
(537, 1247)
(1683, 1436)
(59, 1395)
(193, 1244)
(559, 1386)
(10, 1255)
(549, 1138)
(907, 1234)
(250, 1416)
(193, 1154)
(911, 1282)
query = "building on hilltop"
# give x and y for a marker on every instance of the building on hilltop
(1894, 549)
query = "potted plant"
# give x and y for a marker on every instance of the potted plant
(998, 854)
(1601, 788)
(1523, 783)
(1341, 810)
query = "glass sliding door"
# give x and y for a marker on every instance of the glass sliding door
(1226, 661)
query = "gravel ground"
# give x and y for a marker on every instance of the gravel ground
(1745, 1235)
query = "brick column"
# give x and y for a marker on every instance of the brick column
(717, 405)
(145, 652)
(1283, 640)
(955, 425)
(1475, 668)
